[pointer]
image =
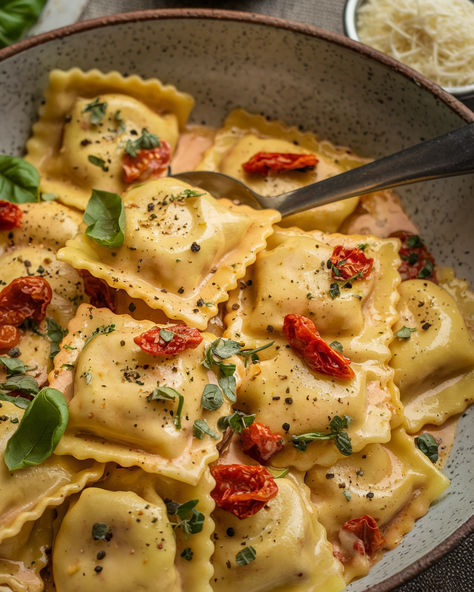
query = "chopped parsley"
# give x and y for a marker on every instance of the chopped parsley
(145, 142)
(404, 332)
(246, 556)
(337, 432)
(428, 445)
(96, 111)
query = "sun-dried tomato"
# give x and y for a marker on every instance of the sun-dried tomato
(99, 292)
(366, 530)
(9, 337)
(259, 442)
(24, 298)
(264, 162)
(305, 339)
(350, 262)
(10, 215)
(417, 261)
(242, 489)
(149, 162)
(183, 338)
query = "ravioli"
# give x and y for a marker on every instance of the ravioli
(394, 483)
(26, 493)
(293, 554)
(183, 249)
(291, 276)
(244, 134)
(434, 367)
(143, 551)
(107, 378)
(66, 138)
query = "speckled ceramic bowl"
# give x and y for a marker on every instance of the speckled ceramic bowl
(346, 92)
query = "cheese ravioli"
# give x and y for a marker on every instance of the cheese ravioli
(86, 121)
(183, 250)
(245, 134)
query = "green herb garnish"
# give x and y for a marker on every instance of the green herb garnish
(211, 398)
(334, 290)
(39, 431)
(55, 334)
(200, 429)
(426, 270)
(191, 520)
(16, 17)
(237, 421)
(246, 556)
(404, 332)
(19, 180)
(146, 141)
(119, 121)
(105, 218)
(428, 445)
(96, 111)
(166, 335)
(337, 346)
(14, 366)
(97, 161)
(100, 531)
(414, 242)
(337, 425)
(187, 554)
(166, 393)
(102, 330)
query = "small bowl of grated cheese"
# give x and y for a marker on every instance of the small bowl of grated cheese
(435, 37)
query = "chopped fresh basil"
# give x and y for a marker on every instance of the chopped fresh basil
(102, 330)
(404, 332)
(20, 382)
(48, 196)
(119, 121)
(347, 495)
(246, 556)
(97, 161)
(55, 334)
(166, 393)
(19, 180)
(39, 431)
(185, 194)
(191, 520)
(414, 242)
(334, 290)
(211, 398)
(225, 348)
(341, 438)
(146, 141)
(337, 346)
(100, 531)
(363, 246)
(105, 218)
(200, 429)
(237, 421)
(309, 296)
(68, 366)
(14, 366)
(96, 111)
(187, 554)
(428, 445)
(426, 270)
(166, 335)
(19, 401)
(16, 17)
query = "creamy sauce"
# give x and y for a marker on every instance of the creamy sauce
(193, 142)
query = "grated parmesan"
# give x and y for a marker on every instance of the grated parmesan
(435, 37)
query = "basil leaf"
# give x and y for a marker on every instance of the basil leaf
(428, 445)
(211, 398)
(404, 332)
(228, 385)
(182, 510)
(145, 141)
(334, 290)
(39, 431)
(19, 180)
(105, 218)
(20, 382)
(21, 402)
(14, 366)
(200, 429)
(166, 335)
(119, 121)
(191, 520)
(16, 17)
(337, 346)
(55, 334)
(226, 369)
(339, 423)
(237, 421)
(246, 556)
(426, 270)
(343, 443)
(97, 111)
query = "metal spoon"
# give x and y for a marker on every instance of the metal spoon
(445, 156)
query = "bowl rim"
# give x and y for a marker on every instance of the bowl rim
(350, 29)
(415, 77)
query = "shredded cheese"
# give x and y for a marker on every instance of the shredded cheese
(435, 37)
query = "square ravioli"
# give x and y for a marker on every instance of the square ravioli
(244, 134)
(88, 120)
(292, 277)
(394, 483)
(183, 250)
(143, 540)
(434, 366)
(114, 415)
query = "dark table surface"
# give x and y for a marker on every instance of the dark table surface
(455, 571)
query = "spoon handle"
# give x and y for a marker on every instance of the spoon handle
(445, 156)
